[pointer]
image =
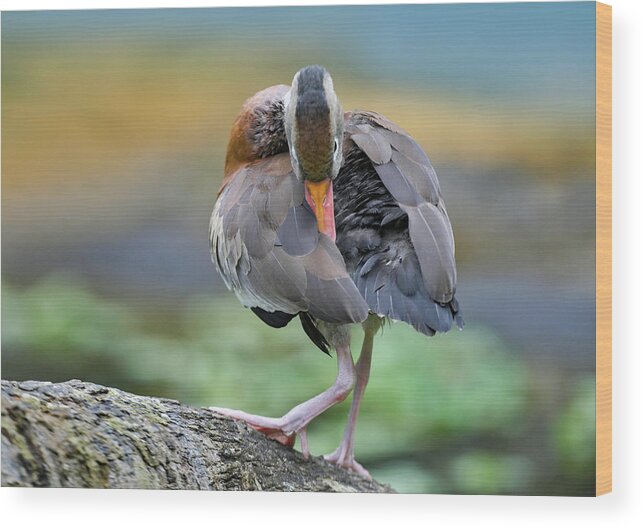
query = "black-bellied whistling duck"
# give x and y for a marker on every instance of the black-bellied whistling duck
(336, 218)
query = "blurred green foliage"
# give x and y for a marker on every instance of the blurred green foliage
(575, 431)
(447, 414)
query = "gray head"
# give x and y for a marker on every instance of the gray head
(314, 124)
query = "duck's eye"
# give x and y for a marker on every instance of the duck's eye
(335, 146)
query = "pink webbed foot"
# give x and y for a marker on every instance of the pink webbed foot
(345, 458)
(286, 428)
(273, 428)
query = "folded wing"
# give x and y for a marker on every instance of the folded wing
(394, 231)
(265, 243)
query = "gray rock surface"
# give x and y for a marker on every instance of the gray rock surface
(78, 434)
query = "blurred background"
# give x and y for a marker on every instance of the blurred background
(114, 127)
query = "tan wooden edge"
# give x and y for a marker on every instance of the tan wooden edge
(603, 248)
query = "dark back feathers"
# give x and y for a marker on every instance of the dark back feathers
(392, 227)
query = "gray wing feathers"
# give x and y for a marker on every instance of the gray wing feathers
(436, 250)
(406, 172)
(298, 233)
(266, 246)
(374, 145)
(421, 176)
(393, 287)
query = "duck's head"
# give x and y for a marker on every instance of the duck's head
(314, 125)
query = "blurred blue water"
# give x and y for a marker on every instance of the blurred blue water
(519, 51)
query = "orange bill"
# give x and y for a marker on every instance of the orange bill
(319, 196)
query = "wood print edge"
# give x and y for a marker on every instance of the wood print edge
(603, 248)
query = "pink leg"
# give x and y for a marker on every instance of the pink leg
(303, 439)
(285, 429)
(344, 456)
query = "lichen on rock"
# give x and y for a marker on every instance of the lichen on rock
(78, 434)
